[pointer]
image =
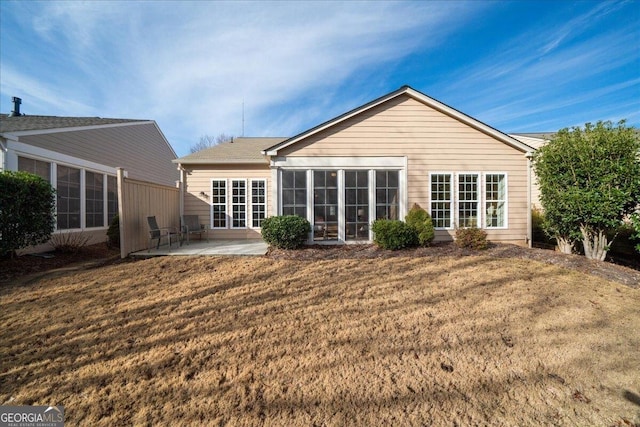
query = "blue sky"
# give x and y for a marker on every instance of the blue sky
(518, 66)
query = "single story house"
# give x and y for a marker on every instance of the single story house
(375, 161)
(80, 157)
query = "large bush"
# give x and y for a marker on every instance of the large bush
(589, 182)
(26, 211)
(394, 234)
(421, 221)
(285, 232)
(472, 238)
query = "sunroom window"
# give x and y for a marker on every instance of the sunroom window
(356, 189)
(387, 184)
(294, 193)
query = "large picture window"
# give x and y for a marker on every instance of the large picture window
(441, 200)
(495, 200)
(468, 200)
(68, 198)
(294, 193)
(356, 189)
(258, 202)
(94, 199)
(219, 203)
(239, 203)
(387, 184)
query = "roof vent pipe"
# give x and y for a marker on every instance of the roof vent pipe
(16, 107)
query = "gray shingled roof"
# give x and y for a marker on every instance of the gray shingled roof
(241, 150)
(26, 122)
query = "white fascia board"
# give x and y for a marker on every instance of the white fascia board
(21, 148)
(339, 162)
(77, 128)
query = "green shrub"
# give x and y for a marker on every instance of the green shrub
(472, 237)
(394, 234)
(27, 205)
(421, 221)
(113, 233)
(635, 221)
(285, 232)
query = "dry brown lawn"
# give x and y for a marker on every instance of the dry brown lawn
(474, 340)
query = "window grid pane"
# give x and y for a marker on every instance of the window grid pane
(94, 199)
(68, 198)
(294, 193)
(258, 203)
(357, 205)
(387, 194)
(36, 167)
(468, 200)
(325, 206)
(219, 203)
(495, 200)
(441, 200)
(239, 203)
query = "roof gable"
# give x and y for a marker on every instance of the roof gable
(419, 96)
(238, 151)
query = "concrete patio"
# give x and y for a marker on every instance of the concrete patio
(213, 247)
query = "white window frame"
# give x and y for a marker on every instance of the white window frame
(224, 204)
(451, 200)
(104, 198)
(233, 204)
(252, 204)
(478, 200)
(487, 200)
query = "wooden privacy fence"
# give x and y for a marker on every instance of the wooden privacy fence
(136, 201)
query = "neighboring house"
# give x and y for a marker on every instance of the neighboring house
(79, 156)
(534, 140)
(375, 161)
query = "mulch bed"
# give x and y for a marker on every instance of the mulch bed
(607, 270)
(30, 264)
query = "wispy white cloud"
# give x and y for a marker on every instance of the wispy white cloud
(191, 65)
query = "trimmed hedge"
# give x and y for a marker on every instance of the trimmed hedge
(286, 231)
(421, 221)
(394, 234)
(27, 205)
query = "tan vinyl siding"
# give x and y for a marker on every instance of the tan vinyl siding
(199, 180)
(138, 148)
(432, 142)
(139, 200)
